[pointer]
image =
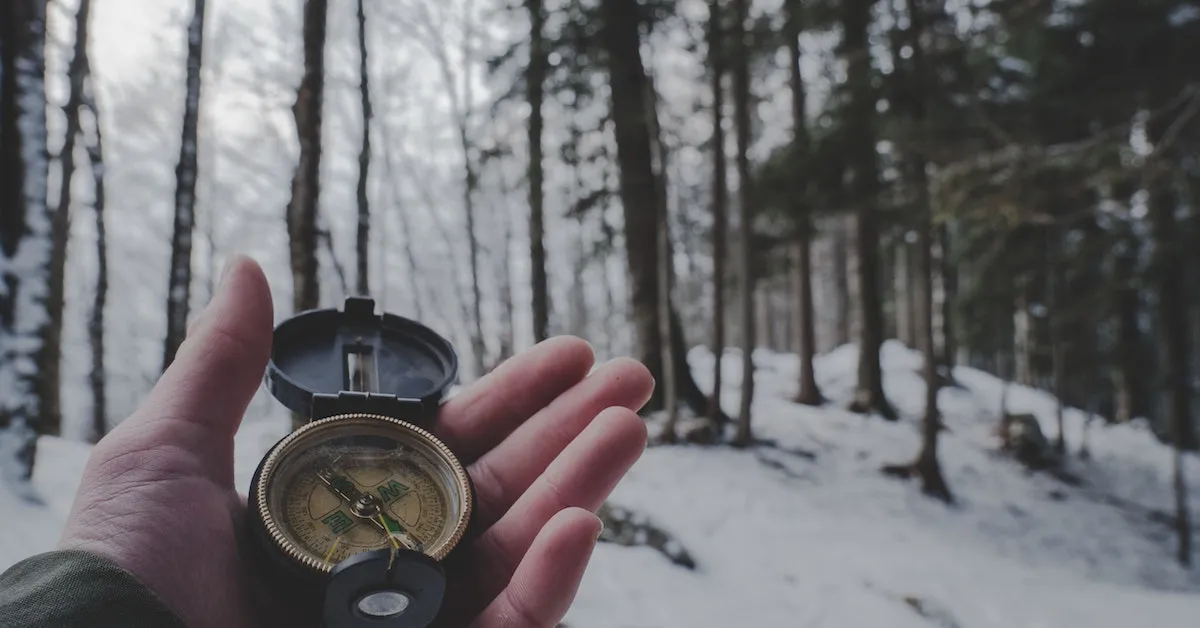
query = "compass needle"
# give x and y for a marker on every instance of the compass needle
(388, 531)
(332, 548)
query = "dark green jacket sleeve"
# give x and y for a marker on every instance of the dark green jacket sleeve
(75, 589)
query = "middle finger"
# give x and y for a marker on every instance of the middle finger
(504, 473)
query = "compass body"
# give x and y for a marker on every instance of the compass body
(360, 505)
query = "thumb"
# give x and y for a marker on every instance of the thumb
(199, 400)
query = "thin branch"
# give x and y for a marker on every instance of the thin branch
(1040, 156)
(326, 241)
(1173, 131)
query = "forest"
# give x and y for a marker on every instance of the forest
(1007, 186)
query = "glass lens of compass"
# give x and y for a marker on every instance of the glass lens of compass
(338, 488)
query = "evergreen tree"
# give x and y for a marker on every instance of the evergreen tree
(620, 37)
(807, 391)
(858, 134)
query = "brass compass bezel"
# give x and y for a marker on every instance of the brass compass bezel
(462, 484)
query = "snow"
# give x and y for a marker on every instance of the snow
(782, 540)
(807, 532)
(1183, 15)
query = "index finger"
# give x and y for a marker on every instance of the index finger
(488, 410)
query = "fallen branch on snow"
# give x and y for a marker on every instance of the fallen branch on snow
(630, 529)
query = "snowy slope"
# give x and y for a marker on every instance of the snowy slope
(785, 540)
(808, 533)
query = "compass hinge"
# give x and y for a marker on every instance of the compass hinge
(327, 405)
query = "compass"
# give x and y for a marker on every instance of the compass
(360, 506)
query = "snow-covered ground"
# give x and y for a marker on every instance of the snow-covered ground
(808, 533)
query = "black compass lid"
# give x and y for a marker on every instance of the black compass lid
(353, 360)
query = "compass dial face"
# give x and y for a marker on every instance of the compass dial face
(353, 483)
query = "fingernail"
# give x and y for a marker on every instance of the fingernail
(225, 268)
(600, 531)
(202, 314)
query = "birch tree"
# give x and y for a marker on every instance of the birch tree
(24, 231)
(179, 282)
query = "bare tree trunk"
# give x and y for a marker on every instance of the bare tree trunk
(49, 371)
(610, 300)
(579, 323)
(1023, 340)
(1005, 384)
(98, 377)
(1172, 297)
(660, 162)
(841, 284)
(363, 277)
(904, 299)
(478, 348)
(888, 299)
(24, 232)
(179, 282)
(460, 115)
(1127, 373)
(535, 79)
(949, 276)
(471, 183)
(914, 311)
(325, 240)
(1085, 451)
(671, 399)
(578, 318)
(414, 270)
(306, 181)
(639, 198)
(868, 395)
(504, 280)
(807, 391)
(1172, 313)
(1183, 526)
(720, 195)
(927, 467)
(742, 123)
(209, 177)
(303, 234)
(1057, 346)
(933, 483)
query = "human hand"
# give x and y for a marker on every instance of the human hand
(544, 442)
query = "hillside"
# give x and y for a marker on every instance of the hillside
(807, 532)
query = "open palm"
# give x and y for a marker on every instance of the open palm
(544, 441)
